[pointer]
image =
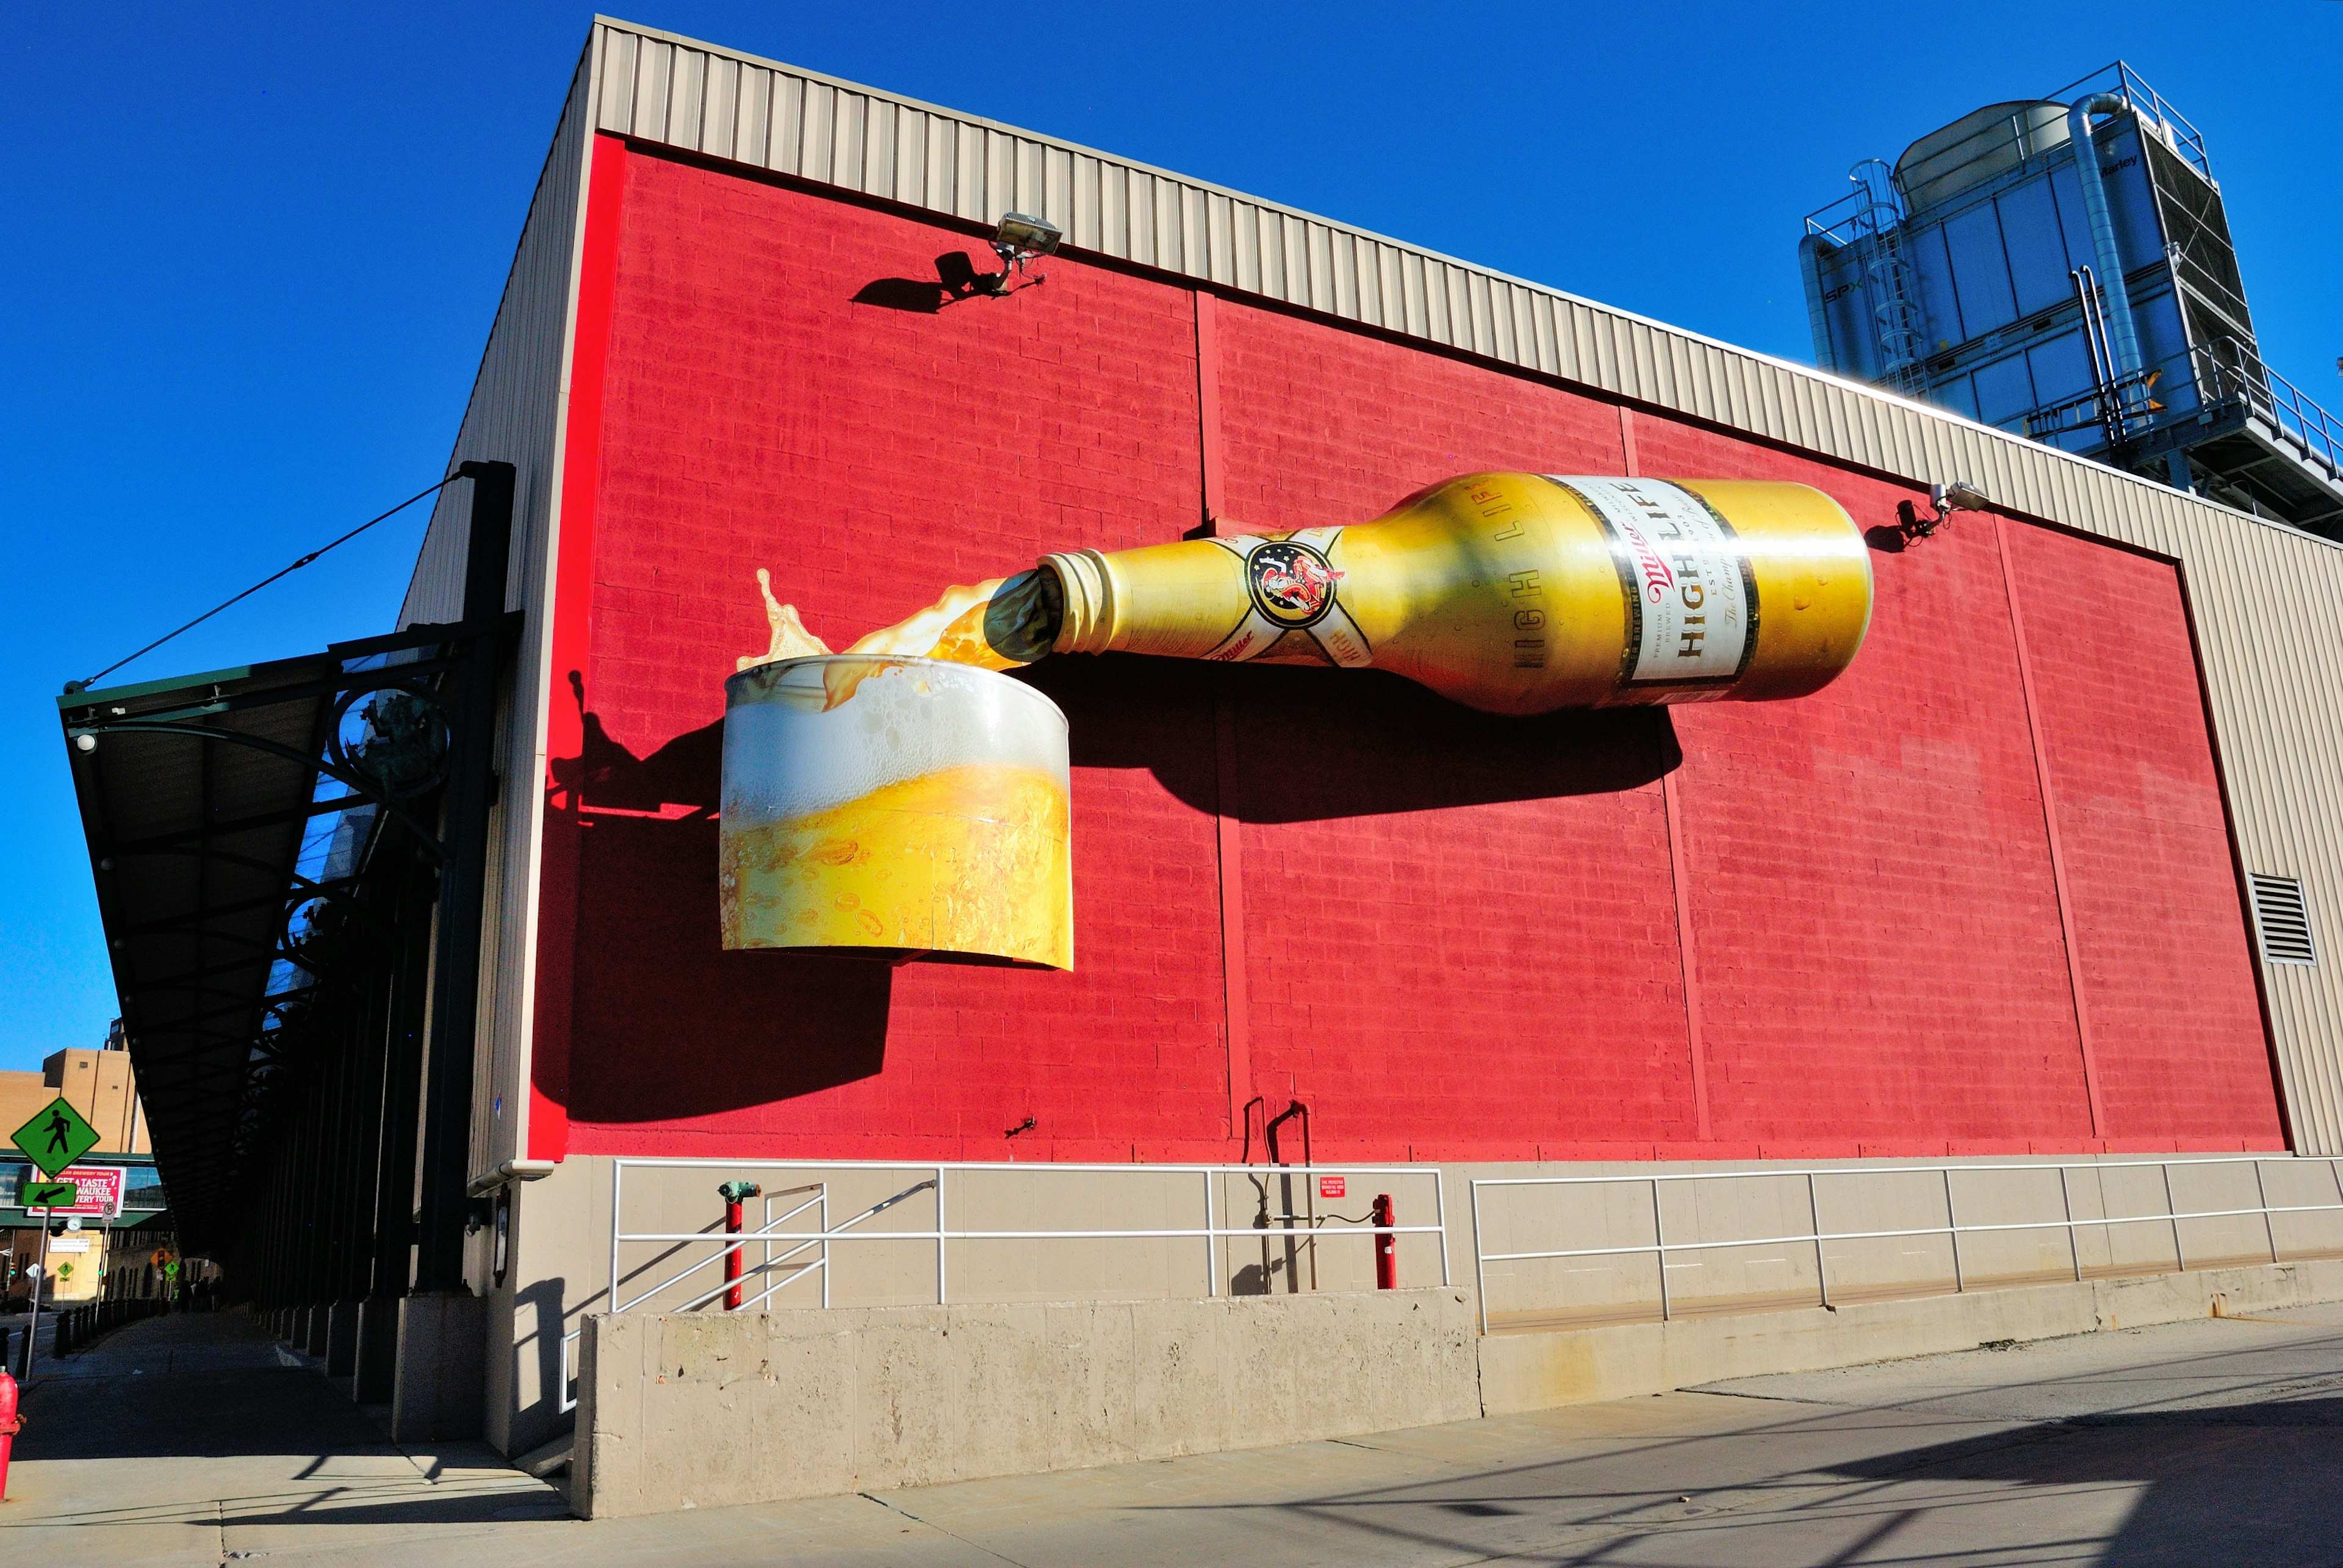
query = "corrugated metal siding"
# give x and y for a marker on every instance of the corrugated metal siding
(2262, 594)
(514, 414)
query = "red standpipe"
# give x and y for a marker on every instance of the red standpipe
(1386, 1245)
(10, 1424)
(734, 1194)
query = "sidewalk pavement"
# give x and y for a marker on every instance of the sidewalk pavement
(190, 1440)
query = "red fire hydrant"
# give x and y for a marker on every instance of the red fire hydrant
(734, 1194)
(1386, 1245)
(10, 1424)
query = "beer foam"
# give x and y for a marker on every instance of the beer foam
(790, 639)
(789, 753)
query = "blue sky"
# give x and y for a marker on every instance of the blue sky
(253, 250)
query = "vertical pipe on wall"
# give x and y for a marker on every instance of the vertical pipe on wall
(470, 792)
(2059, 888)
(1212, 478)
(1228, 837)
(1679, 870)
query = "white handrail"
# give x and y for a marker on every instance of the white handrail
(940, 1233)
(1660, 1246)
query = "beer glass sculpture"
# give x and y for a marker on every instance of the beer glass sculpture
(925, 812)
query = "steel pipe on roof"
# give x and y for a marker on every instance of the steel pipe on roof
(2123, 333)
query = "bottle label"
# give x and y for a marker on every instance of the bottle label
(1291, 586)
(1692, 598)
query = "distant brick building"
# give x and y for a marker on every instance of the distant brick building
(103, 1086)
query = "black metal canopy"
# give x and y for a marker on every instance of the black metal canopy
(231, 816)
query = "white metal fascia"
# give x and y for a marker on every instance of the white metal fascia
(1662, 376)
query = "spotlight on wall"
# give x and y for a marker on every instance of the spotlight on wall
(1021, 240)
(1943, 501)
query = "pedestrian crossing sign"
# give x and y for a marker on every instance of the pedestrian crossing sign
(55, 1137)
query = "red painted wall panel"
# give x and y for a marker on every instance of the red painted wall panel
(1876, 922)
(1459, 934)
(2167, 969)
(868, 453)
(1461, 930)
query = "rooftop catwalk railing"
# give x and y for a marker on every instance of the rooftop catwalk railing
(2226, 374)
(1663, 1247)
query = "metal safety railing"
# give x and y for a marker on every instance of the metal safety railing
(1660, 1246)
(805, 1252)
(2227, 370)
(2203, 379)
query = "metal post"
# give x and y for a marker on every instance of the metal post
(2269, 1221)
(940, 1236)
(1440, 1213)
(2074, 1245)
(1212, 1254)
(617, 1194)
(1660, 1245)
(2180, 1258)
(463, 871)
(1479, 1269)
(1953, 1229)
(1815, 1213)
(33, 1323)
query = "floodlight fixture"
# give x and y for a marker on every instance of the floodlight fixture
(1943, 501)
(1018, 239)
(1960, 495)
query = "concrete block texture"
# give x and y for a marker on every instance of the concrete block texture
(438, 1385)
(1538, 1370)
(341, 1348)
(699, 1410)
(376, 1367)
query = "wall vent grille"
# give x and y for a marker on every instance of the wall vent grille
(2282, 919)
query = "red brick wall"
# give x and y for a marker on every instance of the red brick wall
(2168, 968)
(1460, 934)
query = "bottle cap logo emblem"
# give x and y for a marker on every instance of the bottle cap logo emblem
(1290, 583)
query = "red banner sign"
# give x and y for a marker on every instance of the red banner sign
(99, 1186)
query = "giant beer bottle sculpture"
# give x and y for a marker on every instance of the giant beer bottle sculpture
(1513, 593)
(879, 800)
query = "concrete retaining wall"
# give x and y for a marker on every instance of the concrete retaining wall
(701, 1410)
(1520, 1371)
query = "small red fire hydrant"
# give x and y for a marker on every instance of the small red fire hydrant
(10, 1424)
(1386, 1245)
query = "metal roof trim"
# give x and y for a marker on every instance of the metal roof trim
(1723, 400)
(98, 694)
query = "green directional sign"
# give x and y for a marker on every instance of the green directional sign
(56, 1137)
(49, 1195)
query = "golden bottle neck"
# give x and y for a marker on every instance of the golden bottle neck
(1087, 581)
